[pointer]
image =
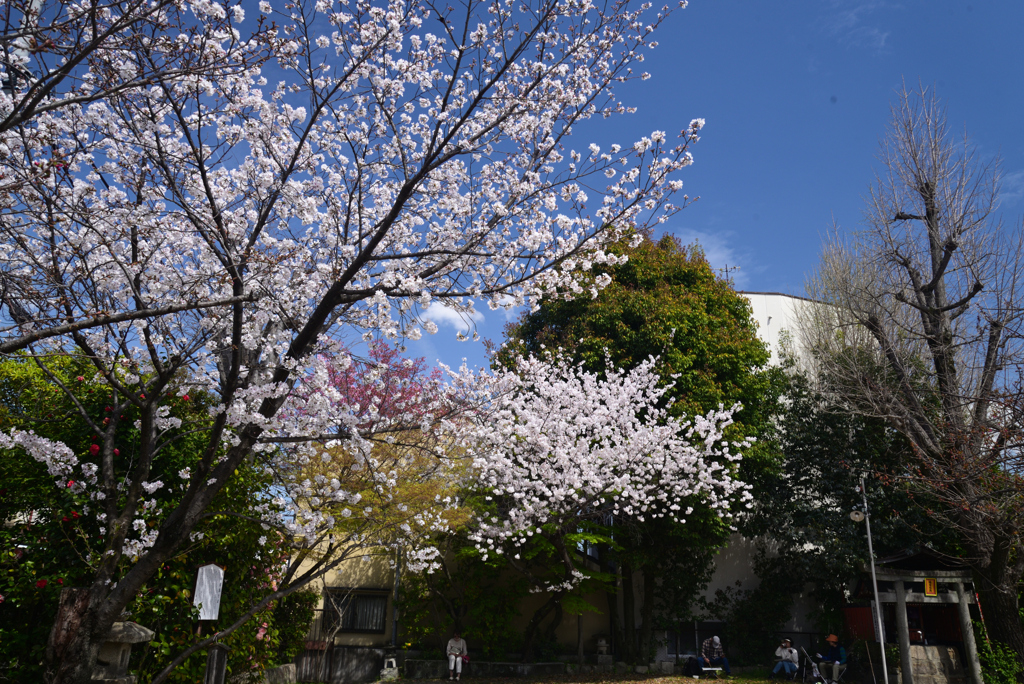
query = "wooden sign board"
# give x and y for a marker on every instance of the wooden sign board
(931, 586)
(209, 584)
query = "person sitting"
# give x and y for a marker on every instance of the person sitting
(713, 655)
(834, 661)
(789, 659)
(456, 651)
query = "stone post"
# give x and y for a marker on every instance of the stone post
(216, 664)
(903, 632)
(967, 630)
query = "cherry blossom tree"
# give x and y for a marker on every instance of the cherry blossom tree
(562, 446)
(211, 196)
(56, 54)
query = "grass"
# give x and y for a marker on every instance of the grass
(754, 677)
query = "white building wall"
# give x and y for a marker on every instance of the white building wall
(776, 316)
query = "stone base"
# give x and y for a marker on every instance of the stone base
(937, 665)
(664, 667)
(285, 674)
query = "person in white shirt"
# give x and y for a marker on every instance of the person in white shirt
(456, 652)
(789, 659)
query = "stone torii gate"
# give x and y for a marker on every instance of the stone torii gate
(923, 577)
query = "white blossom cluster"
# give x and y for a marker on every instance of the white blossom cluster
(561, 444)
(59, 459)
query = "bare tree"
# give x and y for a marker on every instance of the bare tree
(923, 329)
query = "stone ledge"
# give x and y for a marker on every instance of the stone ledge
(438, 669)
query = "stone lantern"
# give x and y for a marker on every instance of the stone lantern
(112, 660)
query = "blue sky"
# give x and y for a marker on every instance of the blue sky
(796, 95)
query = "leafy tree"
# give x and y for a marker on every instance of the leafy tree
(51, 541)
(665, 301)
(801, 515)
(920, 328)
(478, 598)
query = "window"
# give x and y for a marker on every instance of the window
(356, 610)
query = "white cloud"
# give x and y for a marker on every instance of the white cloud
(721, 252)
(850, 25)
(460, 321)
(511, 312)
(1012, 187)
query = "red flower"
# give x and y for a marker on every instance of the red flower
(74, 514)
(65, 519)
(117, 452)
(60, 581)
(40, 584)
(185, 398)
(70, 483)
(94, 449)
(80, 379)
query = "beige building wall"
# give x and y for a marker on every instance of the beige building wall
(370, 572)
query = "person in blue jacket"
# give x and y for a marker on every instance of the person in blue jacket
(834, 661)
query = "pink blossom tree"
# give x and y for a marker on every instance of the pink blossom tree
(210, 196)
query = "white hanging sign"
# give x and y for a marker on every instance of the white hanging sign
(209, 584)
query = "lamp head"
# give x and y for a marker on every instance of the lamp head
(857, 516)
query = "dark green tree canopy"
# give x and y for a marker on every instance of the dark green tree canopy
(666, 301)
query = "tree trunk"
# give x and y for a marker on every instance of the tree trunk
(647, 615)
(534, 625)
(1001, 609)
(614, 631)
(629, 615)
(71, 651)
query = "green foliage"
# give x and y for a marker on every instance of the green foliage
(667, 301)
(52, 535)
(479, 598)
(753, 618)
(664, 301)
(802, 509)
(999, 662)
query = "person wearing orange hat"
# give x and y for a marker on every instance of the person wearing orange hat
(834, 661)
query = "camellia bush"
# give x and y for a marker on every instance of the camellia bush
(219, 196)
(53, 539)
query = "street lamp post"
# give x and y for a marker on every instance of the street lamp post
(857, 516)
